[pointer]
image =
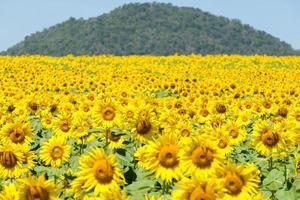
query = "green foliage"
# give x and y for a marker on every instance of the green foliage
(151, 28)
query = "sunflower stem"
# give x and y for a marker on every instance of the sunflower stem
(271, 163)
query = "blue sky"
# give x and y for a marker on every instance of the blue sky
(19, 18)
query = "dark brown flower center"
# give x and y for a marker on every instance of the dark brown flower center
(8, 159)
(37, 193)
(270, 138)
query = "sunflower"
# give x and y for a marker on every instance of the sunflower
(239, 181)
(81, 124)
(63, 125)
(160, 156)
(269, 139)
(37, 188)
(200, 156)
(203, 187)
(221, 138)
(46, 119)
(55, 151)
(115, 142)
(17, 133)
(99, 172)
(107, 114)
(27, 160)
(9, 192)
(10, 162)
(145, 124)
(237, 133)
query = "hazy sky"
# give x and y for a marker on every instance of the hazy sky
(19, 18)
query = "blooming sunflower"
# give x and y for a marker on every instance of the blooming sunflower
(237, 133)
(99, 172)
(9, 192)
(145, 124)
(239, 181)
(37, 188)
(160, 156)
(55, 151)
(63, 125)
(27, 160)
(268, 139)
(107, 113)
(81, 124)
(199, 156)
(17, 133)
(115, 142)
(203, 187)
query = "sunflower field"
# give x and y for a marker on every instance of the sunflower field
(148, 127)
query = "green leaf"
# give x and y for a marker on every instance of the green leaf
(296, 183)
(274, 180)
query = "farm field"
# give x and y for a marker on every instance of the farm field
(149, 127)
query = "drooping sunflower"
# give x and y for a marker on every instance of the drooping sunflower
(107, 113)
(99, 172)
(10, 162)
(55, 151)
(37, 188)
(203, 187)
(9, 192)
(239, 181)
(160, 156)
(200, 156)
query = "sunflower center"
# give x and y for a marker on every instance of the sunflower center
(202, 156)
(234, 183)
(64, 125)
(129, 114)
(297, 116)
(234, 133)
(204, 113)
(143, 126)
(283, 112)
(185, 132)
(267, 104)
(37, 193)
(17, 135)
(200, 194)
(270, 138)
(223, 142)
(57, 153)
(108, 113)
(220, 108)
(33, 106)
(8, 159)
(48, 120)
(168, 156)
(103, 171)
(113, 138)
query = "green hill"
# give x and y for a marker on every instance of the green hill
(151, 28)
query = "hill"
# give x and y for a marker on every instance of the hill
(151, 28)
